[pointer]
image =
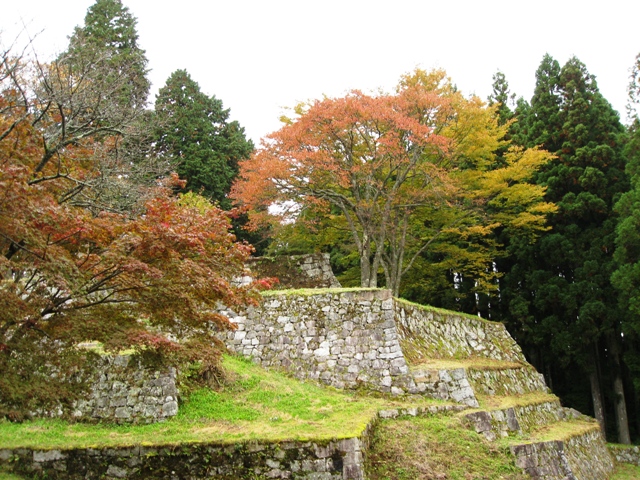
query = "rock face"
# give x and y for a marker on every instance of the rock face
(332, 460)
(125, 391)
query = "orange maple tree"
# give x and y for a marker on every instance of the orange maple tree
(375, 158)
(382, 159)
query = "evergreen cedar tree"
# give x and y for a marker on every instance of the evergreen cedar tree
(556, 295)
(79, 263)
(402, 171)
(109, 34)
(194, 133)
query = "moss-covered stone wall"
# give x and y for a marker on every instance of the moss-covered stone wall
(583, 457)
(432, 333)
(333, 460)
(124, 390)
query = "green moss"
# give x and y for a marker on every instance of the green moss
(563, 430)
(256, 405)
(435, 447)
(447, 313)
(624, 471)
(316, 291)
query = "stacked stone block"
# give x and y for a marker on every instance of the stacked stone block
(346, 339)
(334, 460)
(125, 391)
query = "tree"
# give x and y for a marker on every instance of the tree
(559, 293)
(70, 274)
(195, 134)
(379, 160)
(109, 36)
(626, 277)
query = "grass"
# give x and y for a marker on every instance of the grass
(4, 475)
(436, 447)
(623, 471)
(474, 363)
(256, 405)
(316, 291)
(554, 431)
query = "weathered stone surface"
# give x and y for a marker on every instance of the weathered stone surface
(583, 457)
(438, 334)
(625, 453)
(334, 460)
(346, 339)
(125, 391)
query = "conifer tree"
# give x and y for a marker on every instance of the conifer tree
(560, 295)
(109, 34)
(195, 133)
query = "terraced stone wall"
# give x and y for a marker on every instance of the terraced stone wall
(295, 271)
(432, 333)
(346, 339)
(625, 453)
(366, 338)
(335, 460)
(125, 391)
(583, 457)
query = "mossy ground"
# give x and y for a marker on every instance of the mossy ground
(435, 448)
(623, 471)
(266, 406)
(255, 404)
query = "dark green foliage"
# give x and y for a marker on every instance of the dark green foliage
(109, 33)
(626, 277)
(556, 297)
(502, 96)
(194, 132)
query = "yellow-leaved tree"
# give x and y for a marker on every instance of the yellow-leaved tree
(401, 170)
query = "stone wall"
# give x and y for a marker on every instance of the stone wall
(296, 271)
(625, 453)
(346, 339)
(123, 390)
(431, 333)
(583, 457)
(493, 424)
(506, 381)
(363, 338)
(334, 460)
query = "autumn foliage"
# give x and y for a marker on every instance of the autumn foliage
(384, 161)
(148, 282)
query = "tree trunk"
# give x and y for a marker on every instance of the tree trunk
(368, 269)
(596, 394)
(622, 421)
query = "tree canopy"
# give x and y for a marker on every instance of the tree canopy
(194, 134)
(76, 268)
(380, 160)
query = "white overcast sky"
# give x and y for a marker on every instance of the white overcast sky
(259, 56)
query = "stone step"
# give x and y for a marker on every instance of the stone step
(572, 450)
(505, 416)
(464, 380)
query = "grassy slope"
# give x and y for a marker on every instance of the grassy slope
(255, 405)
(268, 406)
(436, 447)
